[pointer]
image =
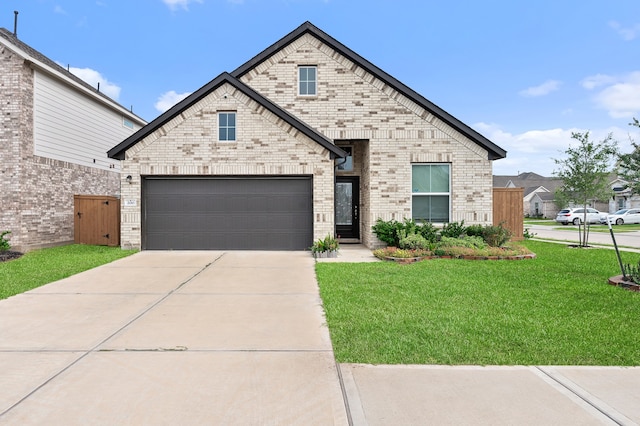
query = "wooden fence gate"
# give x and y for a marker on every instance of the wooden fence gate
(508, 207)
(96, 220)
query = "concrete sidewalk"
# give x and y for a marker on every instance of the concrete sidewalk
(239, 338)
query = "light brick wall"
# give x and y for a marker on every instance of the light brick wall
(36, 193)
(188, 146)
(353, 104)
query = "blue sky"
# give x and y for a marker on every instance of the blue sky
(524, 74)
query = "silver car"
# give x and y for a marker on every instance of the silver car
(576, 216)
(624, 216)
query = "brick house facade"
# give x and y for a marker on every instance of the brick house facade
(387, 134)
(37, 180)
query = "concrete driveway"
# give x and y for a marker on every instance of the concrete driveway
(172, 338)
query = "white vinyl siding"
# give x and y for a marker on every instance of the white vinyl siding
(72, 127)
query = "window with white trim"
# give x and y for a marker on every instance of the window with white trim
(307, 80)
(226, 126)
(431, 192)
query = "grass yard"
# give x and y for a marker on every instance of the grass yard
(43, 266)
(554, 310)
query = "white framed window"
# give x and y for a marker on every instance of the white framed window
(226, 126)
(308, 80)
(431, 192)
(127, 123)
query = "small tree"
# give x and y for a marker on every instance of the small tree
(629, 164)
(584, 173)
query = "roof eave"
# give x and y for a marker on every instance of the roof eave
(118, 152)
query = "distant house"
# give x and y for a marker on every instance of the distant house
(56, 130)
(305, 139)
(622, 197)
(538, 191)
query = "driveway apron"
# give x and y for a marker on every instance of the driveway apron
(172, 338)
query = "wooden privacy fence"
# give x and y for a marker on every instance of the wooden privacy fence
(508, 208)
(96, 220)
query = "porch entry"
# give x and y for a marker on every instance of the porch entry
(347, 205)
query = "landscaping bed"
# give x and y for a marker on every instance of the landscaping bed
(9, 255)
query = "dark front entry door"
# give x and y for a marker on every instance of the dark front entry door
(347, 205)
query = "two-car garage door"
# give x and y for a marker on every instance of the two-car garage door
(231, 213)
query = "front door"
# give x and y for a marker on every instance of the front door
(347, 205)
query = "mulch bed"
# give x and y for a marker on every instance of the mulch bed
(9, 255)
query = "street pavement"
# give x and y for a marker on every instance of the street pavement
(626, 240)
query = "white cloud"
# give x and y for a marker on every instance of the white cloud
(93, 77)
(535, 150)
(627, 33)
(542, 89)
(176, 4)
(169, 99)
(597, 80)
(619, 95)
(59, 10)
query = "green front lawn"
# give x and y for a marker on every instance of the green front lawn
(554, 310)
(43, 266)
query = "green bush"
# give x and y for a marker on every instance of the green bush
(496, 235)
(428, 231)
(387, 231)
(453, 229)
(413, 241)
(463, 241)
(475, 231)
(4, 243)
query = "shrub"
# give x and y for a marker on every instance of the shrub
(475, 231)
(4, 242)
(387, 231)
(453, 229)
(464, 241)
(428, 231)
(392, 231)
(413, 241)
(496, 236)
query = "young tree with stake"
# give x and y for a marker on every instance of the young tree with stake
(584, 173)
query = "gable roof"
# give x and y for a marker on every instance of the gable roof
(494, 151)
(118, 152)
(530, 181)
(42, 62)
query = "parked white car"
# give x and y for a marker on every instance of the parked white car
(624, 216)
(576, 216)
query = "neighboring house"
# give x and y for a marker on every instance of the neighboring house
(538, 192)
(622, 197)
(56, 130)
(305, 139)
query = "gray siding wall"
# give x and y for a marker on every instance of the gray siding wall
(70, 127)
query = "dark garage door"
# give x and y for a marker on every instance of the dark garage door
(227, 213)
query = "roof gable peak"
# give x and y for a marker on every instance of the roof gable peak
(494, 152)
